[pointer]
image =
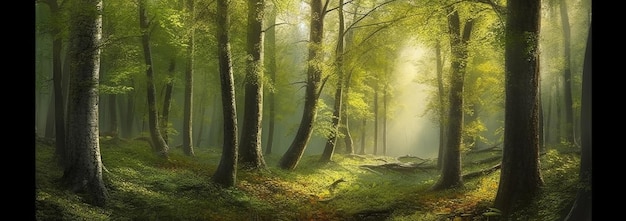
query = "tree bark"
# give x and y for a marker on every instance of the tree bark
(520, 177)
(226, 173)
(270, 53)
(376, 117)
(291, 158)
(346, 119)
(153, 121)
(442, 106)
(363, 129)
(331, 143)
(567, 75)
(250, 152)
(84, 169)
(167, 100)
(451, 169)
(188, 105)
(581, 210)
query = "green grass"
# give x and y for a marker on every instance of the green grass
(143, 186)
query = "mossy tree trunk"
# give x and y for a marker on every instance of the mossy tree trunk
(83, 172)
(520, 177)
(226, 173)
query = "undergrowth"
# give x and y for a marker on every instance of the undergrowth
(143, 186)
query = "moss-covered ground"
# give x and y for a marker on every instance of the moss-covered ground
(143, 186)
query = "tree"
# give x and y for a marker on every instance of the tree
(153, 122)
(520, 177)
(226, 173)
(314, 74)
(581, 210)
(167, 100)
(567, 75)
(188, 106)
(84, 169)
(270, 53)
(329, 149)
(451, 167)
(250, 153)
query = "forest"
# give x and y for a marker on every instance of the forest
(313, 110)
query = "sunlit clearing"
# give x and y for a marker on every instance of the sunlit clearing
(408, 131)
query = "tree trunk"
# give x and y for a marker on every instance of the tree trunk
(451, 169)
(291, 158)
(376, 117)
(250, 152)
(153, 121)
(345, 119)
(226, 172)
(520, 177)
(567, 75)
(167, 101)
(442, 106)
(581, 210)
(385, 117)
(363, 124)
(270, 53)
(84, 169)
(331, 143)
(188, 106)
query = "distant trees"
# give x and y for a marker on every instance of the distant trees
(226, 173)
(83, 171)
(581, 210)
(520, 177)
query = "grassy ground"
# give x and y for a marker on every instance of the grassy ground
(144, 187)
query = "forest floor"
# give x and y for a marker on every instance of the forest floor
(143, 186)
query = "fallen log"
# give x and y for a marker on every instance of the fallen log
(482, 172)
(401, 167)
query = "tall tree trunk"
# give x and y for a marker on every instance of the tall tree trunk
(363, 128)
(442, 105)
(250, 152)
(581, 210)
(567, 75)
(547, 121)
(167, 100)
(376, 117)
(270, 54)
(84, 170)
(188, 106)
(451, 168)
(345, 119)
(520, 177)
(331, 143)
(291, 158)
(226, 172)
(153, 121)
(385, 117)
(201, 118)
